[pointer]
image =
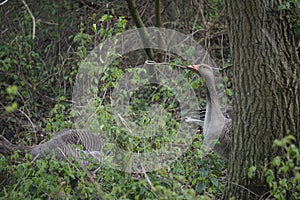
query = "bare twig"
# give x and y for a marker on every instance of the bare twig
(147, 178)
(151, 62)
(2, 3)
(65, 156)
(158, 13)
(201, 10)
(244, 188)
(32, 17)
(32, 124)
(125, 124)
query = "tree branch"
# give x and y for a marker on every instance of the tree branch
(32, 17)
(159, 25)
(139, 23)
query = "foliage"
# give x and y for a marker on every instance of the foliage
(11, 92)
(294, 7)
(188, 178)
(48, 178)
(39, 69)
(38, 79)
(283, 176)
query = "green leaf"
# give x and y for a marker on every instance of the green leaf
(281, 7)
(251, 171)
(105, 17)
(276, 161)
(13, 107)
(269, 180)
(283, 182)
(12, 90)
(229, 92)
(195, 85)
(214, 181)
(288, 139)
(277, 143)
(94, 27)
(283, 169)
(296, 28)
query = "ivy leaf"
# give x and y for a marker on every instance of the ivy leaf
(251, 171)
(276, 161)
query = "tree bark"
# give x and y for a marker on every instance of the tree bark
(266, 91)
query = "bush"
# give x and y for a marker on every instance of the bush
(27, 178)
(284, 175)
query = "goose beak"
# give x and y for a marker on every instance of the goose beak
(193, 68)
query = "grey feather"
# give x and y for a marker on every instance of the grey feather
(216, 125)
(64, 143)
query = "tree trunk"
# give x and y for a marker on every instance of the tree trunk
(140, 24)
(266, 91)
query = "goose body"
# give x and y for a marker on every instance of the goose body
(64, 143)
(216, 126)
